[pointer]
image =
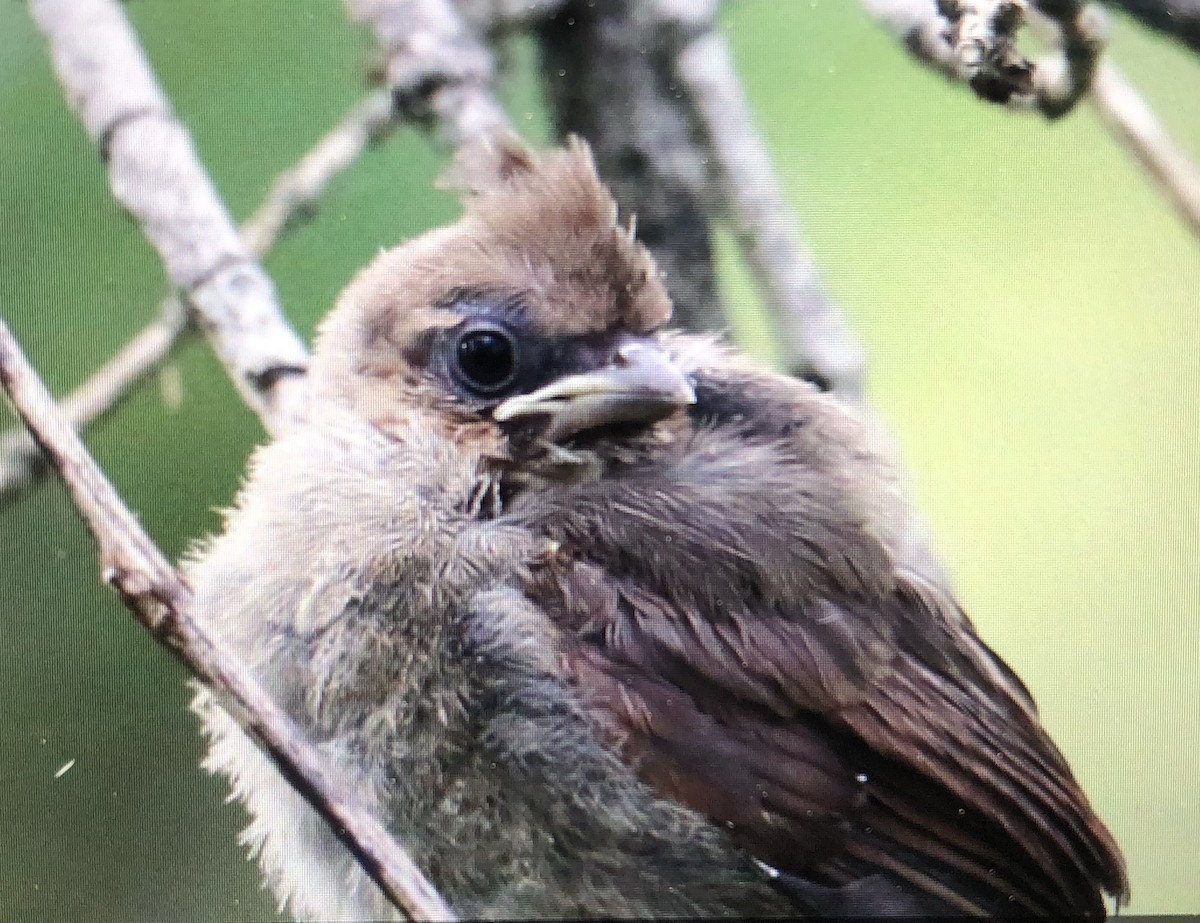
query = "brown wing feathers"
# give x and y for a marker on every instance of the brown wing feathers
(843, 723)
(921, 764)
(781, 789)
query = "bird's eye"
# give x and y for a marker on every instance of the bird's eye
(486, 358)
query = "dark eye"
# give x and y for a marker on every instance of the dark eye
(486, 358)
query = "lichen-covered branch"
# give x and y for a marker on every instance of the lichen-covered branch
(1179, 19)
(1060, 81)
(292, 196)
(976, 41)
(161, 601)
(439, 72)
(156, 176)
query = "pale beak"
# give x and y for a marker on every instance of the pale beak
(640, 386)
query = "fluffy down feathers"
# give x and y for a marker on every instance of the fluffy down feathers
(608, 621)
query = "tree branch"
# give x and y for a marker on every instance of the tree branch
(602, 84)
(1064, 78)
(161, 601)
(440, 74)
(1131, 120)
(156, 176)
(976, 41)
(1179, 19)
(1060, 82)
(292, 196)
(21, 462)
(815, 340)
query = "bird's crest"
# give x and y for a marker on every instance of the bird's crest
(551, 210)
(488, 165)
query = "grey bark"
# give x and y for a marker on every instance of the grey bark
(156, 176)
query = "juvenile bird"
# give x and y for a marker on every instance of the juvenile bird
(606, 620)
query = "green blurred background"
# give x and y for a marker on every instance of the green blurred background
(1031, 308)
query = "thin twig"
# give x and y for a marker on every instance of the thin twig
(814, 338)
(161, 601)
(21, 462)
(1081, 33)
(155, 174)
(438, 70)
(296, 191)
(1065, 77)
(293, 195)
(1134, 123)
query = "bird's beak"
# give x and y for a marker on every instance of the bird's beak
(641, 385)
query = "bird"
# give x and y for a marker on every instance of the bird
(606, 619)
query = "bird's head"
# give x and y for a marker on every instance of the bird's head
(526, 326)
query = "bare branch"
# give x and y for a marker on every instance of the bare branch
(296, 191)
(161, 601)
(978, 47)
(814, 337)
(439, 72)
(1134, 123)
(1064, 78)
(1179, 19)
(22, 464)
(292, 196)
(1081, 29)
(155, 174)
(976, 41)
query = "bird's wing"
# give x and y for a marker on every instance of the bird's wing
(936, 774)
(852, 728)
